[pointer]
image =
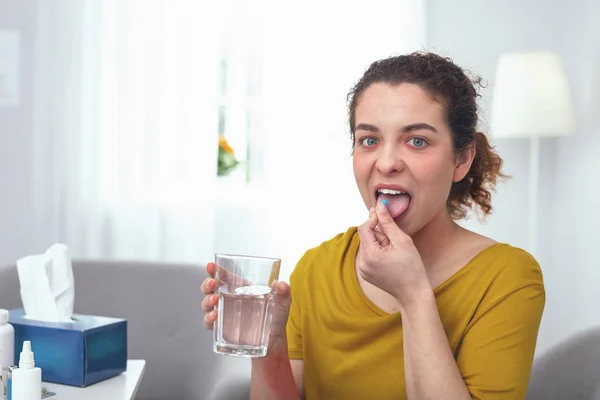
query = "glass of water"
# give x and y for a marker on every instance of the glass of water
(246, 290)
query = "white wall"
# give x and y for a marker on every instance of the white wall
(474, 34)
(576, 228)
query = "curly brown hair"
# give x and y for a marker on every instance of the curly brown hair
(457, 92)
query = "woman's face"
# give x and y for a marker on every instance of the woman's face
(403, 153)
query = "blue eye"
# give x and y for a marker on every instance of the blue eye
(418, 142)
(368, 141)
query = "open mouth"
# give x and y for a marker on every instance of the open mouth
(397, 200)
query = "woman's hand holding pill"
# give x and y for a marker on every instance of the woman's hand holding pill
(388, 259)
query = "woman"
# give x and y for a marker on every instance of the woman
(409, 304)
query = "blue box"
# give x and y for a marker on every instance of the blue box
(88, 350)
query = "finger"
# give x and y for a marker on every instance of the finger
(208, 286)
(209, 320)
(231, 279)
(388, 226)
(209, 302)
(281, 311)
(211, 269)
(372, 220)
(381, 238)
(373, 224)
(377, 232)
(366, 231)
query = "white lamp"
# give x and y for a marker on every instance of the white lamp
(531, 100)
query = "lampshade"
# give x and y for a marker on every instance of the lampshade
(531, 97)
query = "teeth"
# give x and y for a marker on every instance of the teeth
(389, 191)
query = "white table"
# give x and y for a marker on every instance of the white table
(120, 387)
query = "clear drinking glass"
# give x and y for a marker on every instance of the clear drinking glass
(246, 290)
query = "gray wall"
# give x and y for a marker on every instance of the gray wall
(16, 124)
(475, 33)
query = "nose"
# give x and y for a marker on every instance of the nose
(390, 160)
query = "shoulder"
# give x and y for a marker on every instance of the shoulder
(328, 251)
(512, 265)
(502, 262)
(502, 272)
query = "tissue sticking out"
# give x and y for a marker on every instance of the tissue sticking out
(47, 285)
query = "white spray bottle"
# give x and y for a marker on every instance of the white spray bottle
(27, 379)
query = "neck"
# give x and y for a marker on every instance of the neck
(435, 238)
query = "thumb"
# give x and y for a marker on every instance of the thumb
(388, 225)
(281, 311)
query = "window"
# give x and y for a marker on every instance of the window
(240, 108)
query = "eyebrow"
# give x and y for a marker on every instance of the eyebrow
(408, 128)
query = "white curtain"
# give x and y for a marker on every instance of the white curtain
(126, 120)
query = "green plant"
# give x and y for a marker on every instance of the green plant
(226, 161)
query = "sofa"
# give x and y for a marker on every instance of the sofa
(161, 303)
(569, 370)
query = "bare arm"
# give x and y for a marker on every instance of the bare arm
(430, 368)
(388, 259)
(276, 377)
(298, 372)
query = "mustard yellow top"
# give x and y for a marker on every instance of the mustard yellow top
(491, 311)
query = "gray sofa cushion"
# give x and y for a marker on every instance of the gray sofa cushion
(596, 395)
(162, 305)
(569, 370)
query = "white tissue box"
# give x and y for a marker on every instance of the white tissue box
(79, 353)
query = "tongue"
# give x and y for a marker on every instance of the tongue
(397, 203)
